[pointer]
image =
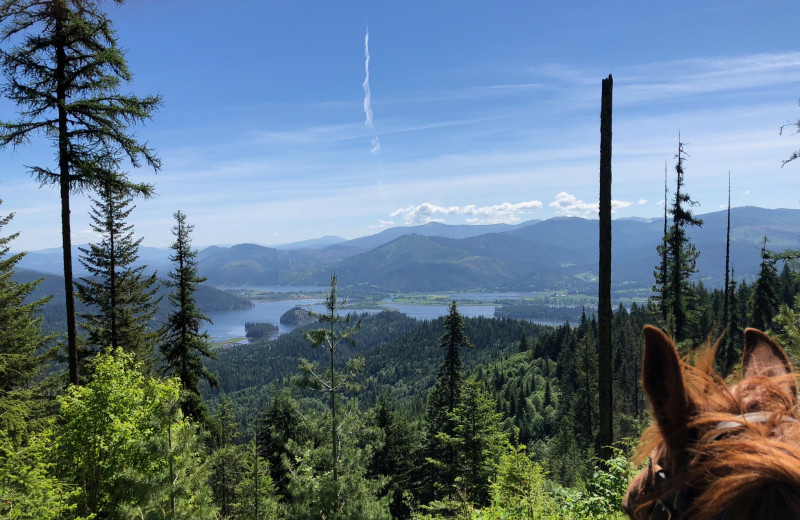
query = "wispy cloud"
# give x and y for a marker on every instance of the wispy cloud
(569, 205)
(376, 143)
(505, 212)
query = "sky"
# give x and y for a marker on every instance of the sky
(290, 120)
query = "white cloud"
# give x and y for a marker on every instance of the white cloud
(505, 212)
(571, 206)
(642, 202)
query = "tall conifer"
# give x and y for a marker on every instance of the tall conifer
(442, 458)
(681, 253)
(185, 345)
(121, 298)
(764, 299)
(64, 71)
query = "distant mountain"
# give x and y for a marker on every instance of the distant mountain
(51, 260)
(554, 254)
(208, 299)
(314, 243)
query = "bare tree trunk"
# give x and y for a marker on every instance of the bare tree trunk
(605, 436)
(726, 344)
(64, 185)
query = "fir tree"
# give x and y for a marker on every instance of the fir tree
(22, 351)
(441, 458)
(121, 299)
(478, 440)
(185, 345)
(764, 299)
(65, 71)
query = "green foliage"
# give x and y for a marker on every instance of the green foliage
(788, 322)
(764, 299)
(28, 488)
(121, 299)
(185, 345)
(255, 492)
(313, 492)
(604, 491)
(124, 445)
(478, 441)
(518, 491)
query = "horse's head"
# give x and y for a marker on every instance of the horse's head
(718, 452)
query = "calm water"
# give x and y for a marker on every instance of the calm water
(230, 324)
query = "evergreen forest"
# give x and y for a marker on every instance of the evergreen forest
(123, 408)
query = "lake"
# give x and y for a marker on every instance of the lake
(230, 324)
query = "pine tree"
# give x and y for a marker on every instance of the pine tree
(22, 351)
(65, 71)
(121, 299)
(764, 299)
(185, 345)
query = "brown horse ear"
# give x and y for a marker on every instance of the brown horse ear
(662, 380)
(763, 356)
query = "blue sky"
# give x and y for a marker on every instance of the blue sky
(480, 112)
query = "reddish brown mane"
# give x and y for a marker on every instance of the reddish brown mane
(751, 471)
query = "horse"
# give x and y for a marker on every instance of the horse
(718, 452)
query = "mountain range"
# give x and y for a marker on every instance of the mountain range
(541, 255)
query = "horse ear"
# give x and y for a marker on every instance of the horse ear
(763, 356)
(662, 380)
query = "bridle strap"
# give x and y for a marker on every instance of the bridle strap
(753, 418)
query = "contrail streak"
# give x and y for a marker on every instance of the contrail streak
(376, 144)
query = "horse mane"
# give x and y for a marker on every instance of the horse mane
(751, 471)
